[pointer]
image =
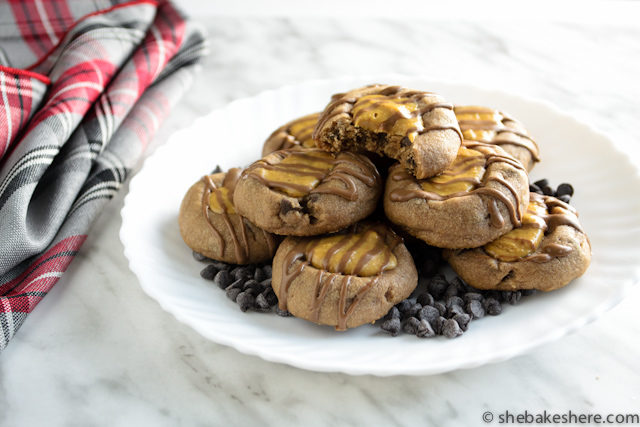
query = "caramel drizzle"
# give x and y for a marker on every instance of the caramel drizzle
(340, 171)
(298, 258)
(525, 140)
(242, 251)
(515, 211)
(341, 103)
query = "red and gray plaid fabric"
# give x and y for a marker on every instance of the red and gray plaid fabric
(83, 87)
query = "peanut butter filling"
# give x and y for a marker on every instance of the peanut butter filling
(299, 173)
(396, 116)
(464, 174)
(523, 240)
(544, 214)
(221, 200)
(302, 129)
(362, 254)
(485, 124)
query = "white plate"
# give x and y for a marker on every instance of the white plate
(606, 195)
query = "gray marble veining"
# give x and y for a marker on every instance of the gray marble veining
(98, 351)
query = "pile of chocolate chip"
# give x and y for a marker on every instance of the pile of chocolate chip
(438, 306)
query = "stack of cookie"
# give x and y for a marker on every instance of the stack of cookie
(455, 177)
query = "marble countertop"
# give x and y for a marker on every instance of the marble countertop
(98, 351)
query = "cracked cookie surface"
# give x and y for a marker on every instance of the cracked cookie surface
(308, 192)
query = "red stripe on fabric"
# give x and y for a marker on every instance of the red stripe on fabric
(89, 15)
(20, 72)
(59, 16)
(39, 266)
(28, 26)
(64, 97)
(23, 304)
(15, 107)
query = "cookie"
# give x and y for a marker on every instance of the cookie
(296, 133)
(546, 252)
(485, 124)
(310, 192)
(343, 280)
(419, 129)
(480, 197)
(210, 225)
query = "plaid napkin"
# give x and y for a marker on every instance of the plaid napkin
(84, 86)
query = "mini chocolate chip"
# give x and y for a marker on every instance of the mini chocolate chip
(454, 300)
(199, 257)
(245, 301)
(452, 290)
(209, 272)
(454, 310)
(437, 286)
(565, 189)
(451, 329)
(218, 169)
(535, 189)
(243, 272)
(232, 293)
(221, 265)
(512, 297)
(271, 297)
(542, 183)
(425, 330)
(266, 283)
(442, 309)
(394, 313)
(393, 326)
(259, 275)
(475, 309)
(412, 310)
(267, 270)
(222, 279)
(404, 306)
(463, 320)
(262, 303)
(250, 284)
(492, 306)
(547, 191)
(527, 292)
(237, 284)
(428, 313)
(410, 326)
(283, 313)
(470, 296)
(438, 324)
(425, 298)
(565, 198)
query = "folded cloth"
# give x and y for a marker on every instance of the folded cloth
(74, 124)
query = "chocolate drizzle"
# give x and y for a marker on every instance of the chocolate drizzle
(345, 167)
(344, 104)
(300, 256)
(491, 156)
(242, 249)
(497, 126)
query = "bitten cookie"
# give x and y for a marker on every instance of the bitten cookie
(308, 192)
(343, 280)
(480, 197)
(210, 225)
(419, 129)
(296, 133)
(547, 252)
(485, 124)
